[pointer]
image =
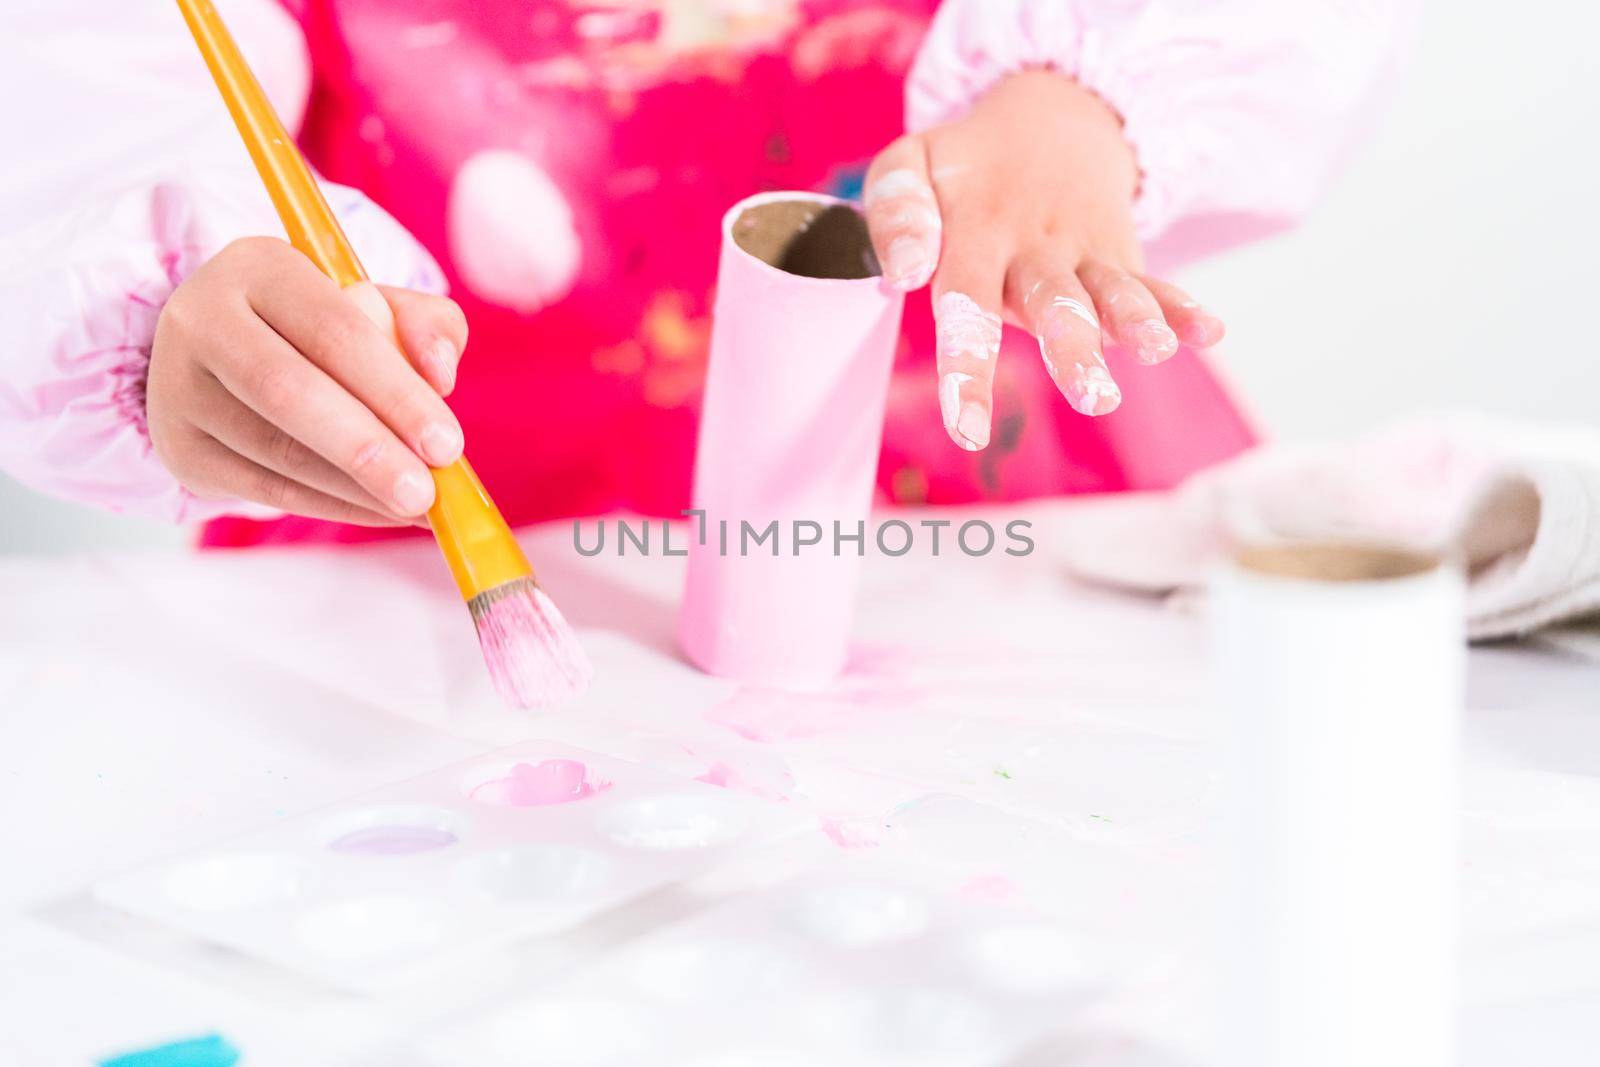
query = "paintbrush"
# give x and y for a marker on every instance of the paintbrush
(531, 652)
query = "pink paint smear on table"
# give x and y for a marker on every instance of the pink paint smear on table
(990, 888)
(532, 785)
(726, 776)
(848, 832)
(744, 768)
(875, 682)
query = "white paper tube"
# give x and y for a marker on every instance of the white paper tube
(1340, 673)
(802, 343)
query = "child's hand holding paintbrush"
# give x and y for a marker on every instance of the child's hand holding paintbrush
(315, 382)
(269, 383)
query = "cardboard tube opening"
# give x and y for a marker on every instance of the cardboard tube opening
(809, 238)
(1335, 562)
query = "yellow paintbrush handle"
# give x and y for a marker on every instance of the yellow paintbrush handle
(475, 539)
(477, 543)
(309, 221)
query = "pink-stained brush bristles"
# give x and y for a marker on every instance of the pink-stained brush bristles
(532, 654)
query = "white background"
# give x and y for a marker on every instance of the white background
(1452, 266)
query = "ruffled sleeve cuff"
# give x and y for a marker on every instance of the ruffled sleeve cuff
(82, 295)
(1237, 110)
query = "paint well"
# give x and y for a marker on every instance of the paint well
(398, 830)
(393, 840)
(676, 821)
(535, 785)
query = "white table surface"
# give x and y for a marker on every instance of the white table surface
(1002, 724)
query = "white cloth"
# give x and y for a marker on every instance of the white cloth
(1517, 504)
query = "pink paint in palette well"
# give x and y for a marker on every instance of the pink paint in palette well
(535, 785)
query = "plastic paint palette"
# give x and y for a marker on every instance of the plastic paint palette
(529, 840)
(836, 970)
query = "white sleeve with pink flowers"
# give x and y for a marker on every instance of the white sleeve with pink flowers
(1239, 111)
(128, 176)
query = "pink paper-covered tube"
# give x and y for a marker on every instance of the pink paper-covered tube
(802, 341)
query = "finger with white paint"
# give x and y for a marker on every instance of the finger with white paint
(1130, 315)
(1193, 324)
(903, 214)
(1046, 297)
(967, 329)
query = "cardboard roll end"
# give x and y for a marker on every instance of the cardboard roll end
(811, 238)
(1335, 562)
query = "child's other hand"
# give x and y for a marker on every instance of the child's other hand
(1029, 198)
(267, 383)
